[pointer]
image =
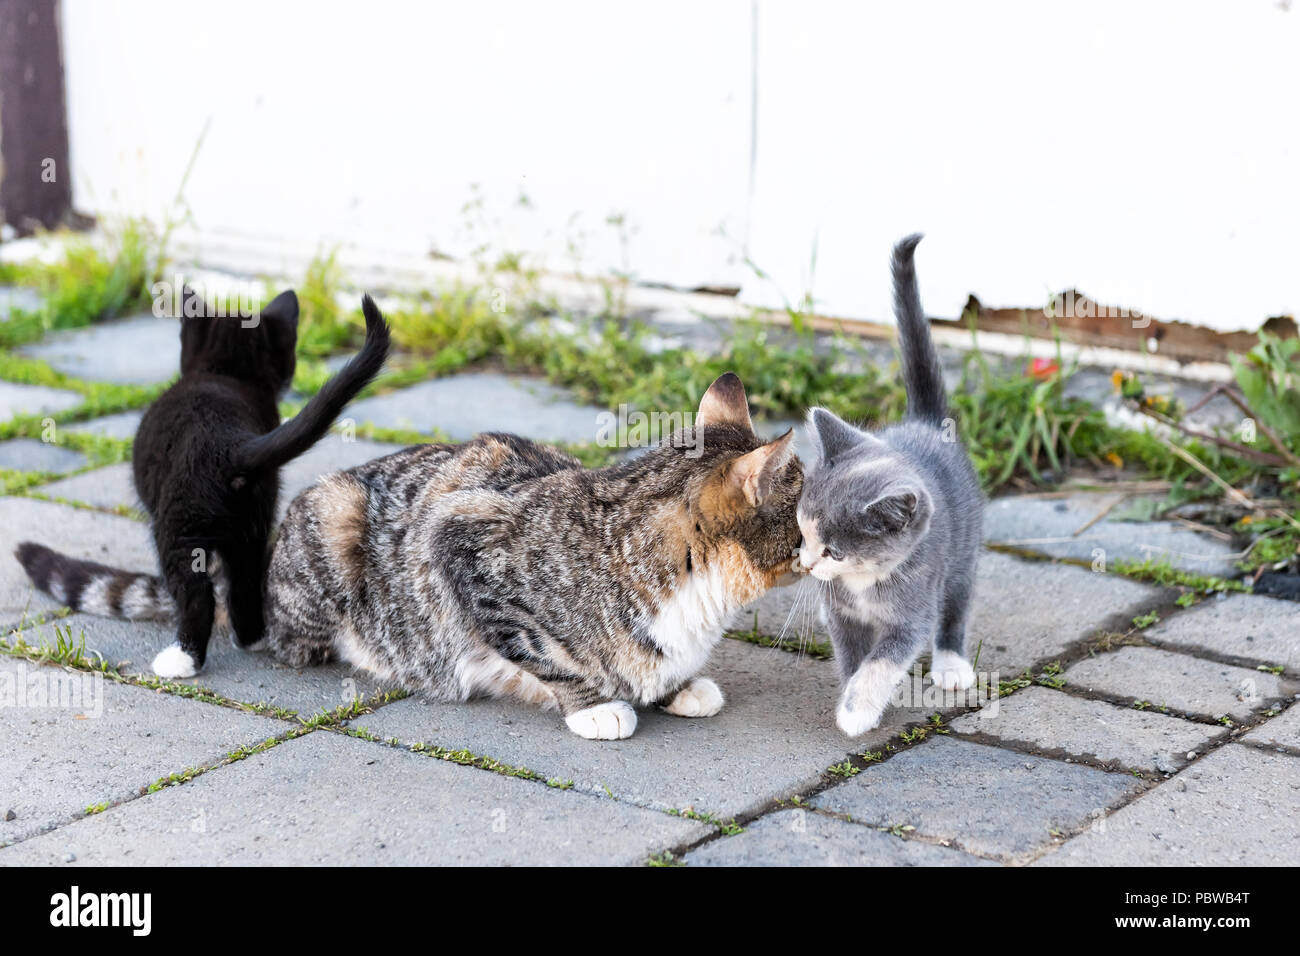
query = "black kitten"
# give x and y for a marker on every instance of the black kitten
(206, 462)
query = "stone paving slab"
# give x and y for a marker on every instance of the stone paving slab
(106, 538)
(462, 406)
(59, 760)
(1049, 526)
(1057, 723)
(139, 350)
(775, 735)
(1236, 807)
(18, 400)
(108, 488)
(803, 838)
(253, 678)
(28, 454)
(1281, 731)
(1255, 628)
(122, 425)
(985, 800)
(1182, 684)
(326, 799)
(1027, 611)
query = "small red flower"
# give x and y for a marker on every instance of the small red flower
(1042, 368)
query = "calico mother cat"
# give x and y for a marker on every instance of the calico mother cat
(206, 462)
(504, 568)
(892, 521)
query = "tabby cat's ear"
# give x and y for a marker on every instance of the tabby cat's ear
(834, 436)
(752, 474)
(725, 404)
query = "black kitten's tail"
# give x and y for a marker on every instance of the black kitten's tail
(95, 588)
(922, 373)
(295, 436)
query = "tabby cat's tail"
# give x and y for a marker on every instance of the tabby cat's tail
(275, 448)
(922, 373)
(96, 588)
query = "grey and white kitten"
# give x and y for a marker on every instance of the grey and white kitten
(892, 521)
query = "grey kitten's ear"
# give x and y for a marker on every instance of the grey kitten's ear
(724, 403)
(834, 436)
(894, 513)
(752, 474)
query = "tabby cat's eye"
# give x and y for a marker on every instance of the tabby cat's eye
(832, 554)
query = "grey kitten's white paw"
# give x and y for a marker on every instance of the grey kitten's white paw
(701, 697)
(612, 720)
(951, 671)
(173, 662)
(866, 696)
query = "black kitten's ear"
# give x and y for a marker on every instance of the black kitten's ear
(894, 513)
(725, 404)
(283, 309)
(195, 323)
(834, 436)
(280, 316)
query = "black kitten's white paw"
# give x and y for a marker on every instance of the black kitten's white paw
(612, 720)
(173, 662)
(701, 697)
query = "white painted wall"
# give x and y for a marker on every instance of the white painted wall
(1144, 153)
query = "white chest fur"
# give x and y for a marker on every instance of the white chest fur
(687, 628)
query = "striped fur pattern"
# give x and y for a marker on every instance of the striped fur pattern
(503, 568)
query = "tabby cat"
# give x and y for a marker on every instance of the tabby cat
(503, 568)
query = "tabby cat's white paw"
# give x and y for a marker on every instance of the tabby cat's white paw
(701, 697)
(173, 662)
(613, 720)
(951, 671)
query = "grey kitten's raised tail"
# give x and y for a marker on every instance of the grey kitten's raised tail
(922, 373)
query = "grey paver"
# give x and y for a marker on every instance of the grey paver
(59, 760)
(464, 405)
(109, 487)
(106, 538)
(1026, 611)
(776, 734)
(121, 425)
(34, 400)
(992, 802)
(1236, 807)
(1281, 731)
(1049, 526)
(28, 454)
(1187, 685)
(803, 838)
(1055, 722)
(138, 350)
(250, 677)
(329, 799)
(1242, 625)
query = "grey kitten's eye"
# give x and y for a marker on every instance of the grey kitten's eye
(832, 554)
